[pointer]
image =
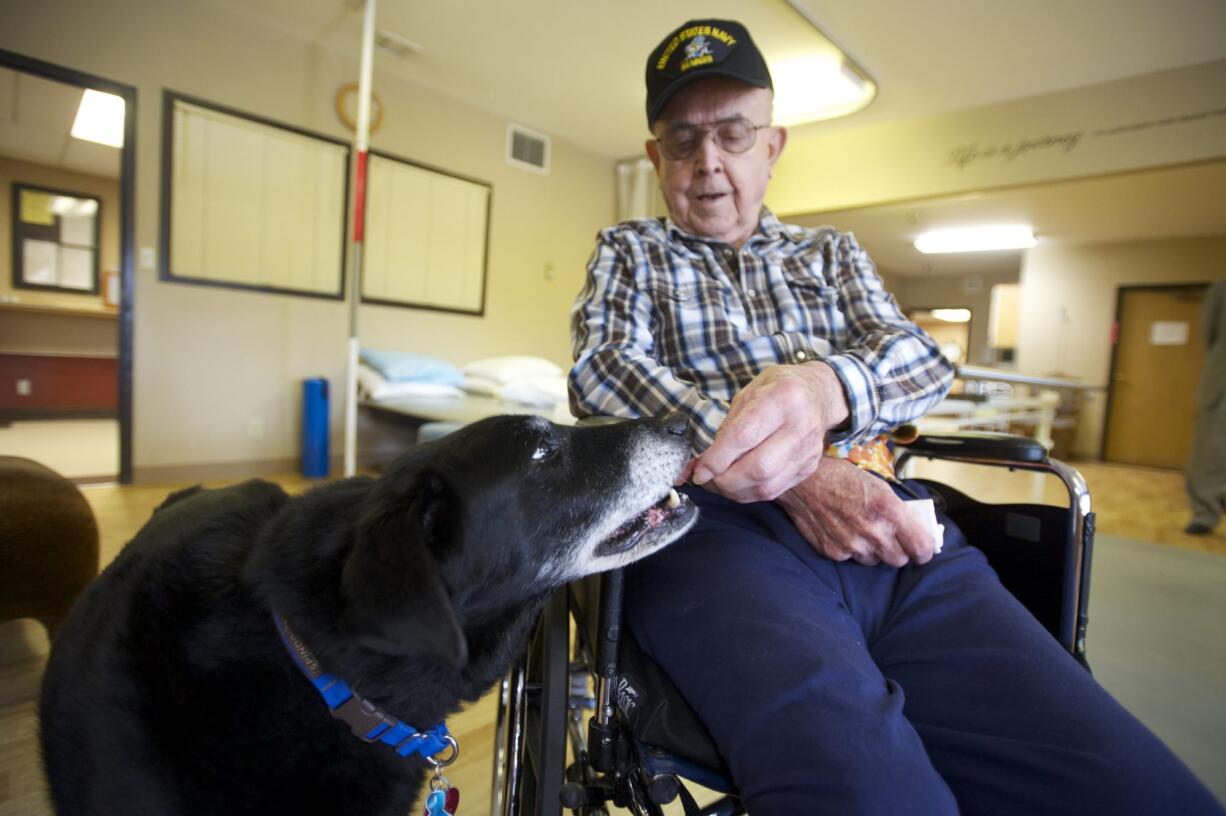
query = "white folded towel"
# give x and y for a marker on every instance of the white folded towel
(926, 512)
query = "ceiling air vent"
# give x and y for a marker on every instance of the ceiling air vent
(527, 149)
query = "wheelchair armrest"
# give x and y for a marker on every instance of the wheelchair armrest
(599, 419)
(978, 445)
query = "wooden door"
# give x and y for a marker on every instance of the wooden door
(1154, 375)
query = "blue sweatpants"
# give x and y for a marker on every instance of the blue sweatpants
(845, 689)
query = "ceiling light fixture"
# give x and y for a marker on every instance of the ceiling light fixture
(976, 239)
(814, 78)
(100, 118)
(811, 87)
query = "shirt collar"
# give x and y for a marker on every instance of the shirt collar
(770, 230)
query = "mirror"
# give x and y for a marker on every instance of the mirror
(55, 239)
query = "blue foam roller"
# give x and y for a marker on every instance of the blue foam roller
(315, 428)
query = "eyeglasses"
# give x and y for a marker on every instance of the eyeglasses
(731, 136)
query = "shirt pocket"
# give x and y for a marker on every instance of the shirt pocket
(683, 307)
(813, 307)
(699, 294)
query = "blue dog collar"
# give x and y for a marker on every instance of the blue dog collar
(367, 722)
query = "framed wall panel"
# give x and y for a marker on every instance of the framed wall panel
(251, 203)
(426, 238)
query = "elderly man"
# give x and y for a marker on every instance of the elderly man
(840, 664)
(1206, 474)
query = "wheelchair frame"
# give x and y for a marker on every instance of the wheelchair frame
(546, 695)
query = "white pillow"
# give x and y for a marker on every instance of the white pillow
(376, 388)
(510, 369)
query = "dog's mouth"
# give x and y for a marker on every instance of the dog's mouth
(658, 521)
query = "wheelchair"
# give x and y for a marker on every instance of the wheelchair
(587, 722)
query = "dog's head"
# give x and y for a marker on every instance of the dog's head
(499, 513)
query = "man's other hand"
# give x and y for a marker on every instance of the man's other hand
(847, 513)
(774, 433)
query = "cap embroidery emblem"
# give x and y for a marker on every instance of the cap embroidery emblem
(698, 41)
(695, 50)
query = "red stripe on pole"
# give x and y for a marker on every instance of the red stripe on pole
(359, 204)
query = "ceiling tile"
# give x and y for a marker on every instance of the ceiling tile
(30, 144)
(92, 158)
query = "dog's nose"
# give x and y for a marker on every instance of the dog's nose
(675, 424)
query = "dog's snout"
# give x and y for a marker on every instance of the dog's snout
(675, 424)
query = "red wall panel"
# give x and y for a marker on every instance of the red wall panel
(59, 384)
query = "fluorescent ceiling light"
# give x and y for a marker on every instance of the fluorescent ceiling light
(952, 315)
(811, 87)
(100, 118)
(975, 239)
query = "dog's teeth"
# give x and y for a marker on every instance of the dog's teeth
(674, 501)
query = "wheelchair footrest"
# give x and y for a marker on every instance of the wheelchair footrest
(660, 763)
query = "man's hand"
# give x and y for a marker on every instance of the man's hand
(847, 513)
(774, 433)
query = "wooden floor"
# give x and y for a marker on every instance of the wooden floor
(1140, 504)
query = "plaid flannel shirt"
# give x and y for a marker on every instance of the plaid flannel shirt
(669, 321)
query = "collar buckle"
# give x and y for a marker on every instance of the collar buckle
(362, 717)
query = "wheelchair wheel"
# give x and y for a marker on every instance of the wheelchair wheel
(548, 704)
(530, 741)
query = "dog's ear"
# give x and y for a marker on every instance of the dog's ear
(395, 601)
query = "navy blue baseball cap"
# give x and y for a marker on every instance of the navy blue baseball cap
(698, 49)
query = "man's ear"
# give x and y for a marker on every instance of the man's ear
(653, 153)
(394, 599)
(778, 140)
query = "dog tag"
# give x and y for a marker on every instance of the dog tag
(443, 800)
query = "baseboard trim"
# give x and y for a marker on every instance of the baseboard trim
(251, 469)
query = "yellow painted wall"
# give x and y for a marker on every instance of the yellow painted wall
(1165, 118)
(213, 365)
(954, 292)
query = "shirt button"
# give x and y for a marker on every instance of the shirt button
(751, 293)
(800, 355)
(728, 253)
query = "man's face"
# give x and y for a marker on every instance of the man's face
(714, 193)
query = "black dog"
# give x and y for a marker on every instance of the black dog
(171, 691)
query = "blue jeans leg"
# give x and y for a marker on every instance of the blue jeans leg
(839, 688)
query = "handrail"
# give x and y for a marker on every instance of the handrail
(999, 375)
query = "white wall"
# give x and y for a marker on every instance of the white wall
(1068, 302)
(212, 367)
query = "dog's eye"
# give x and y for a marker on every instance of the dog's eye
(544, 451)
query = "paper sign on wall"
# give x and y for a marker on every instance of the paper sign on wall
(1168, 333)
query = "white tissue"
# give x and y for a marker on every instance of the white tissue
(926, 513)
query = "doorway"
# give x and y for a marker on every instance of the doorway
(66, 297)
(1155, 369)
(950, 327)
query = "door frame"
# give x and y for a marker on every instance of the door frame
(127, 248)
(1120, 291)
